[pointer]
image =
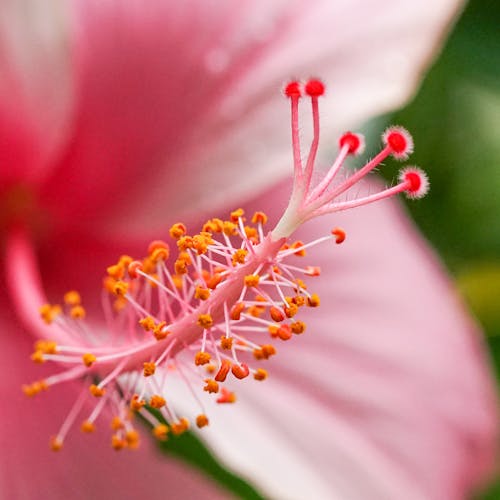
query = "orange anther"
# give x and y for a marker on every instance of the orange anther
(96, 391)
(201, 421)
(312, 271)
(291, 310)
(133, 267)
(268, 350)
(87, 427)
(46, 346)
(298, 327)
(213, 281)
(136, 403)
(120, 288)
(160, 332)
(149, 368)
(200, 243)
(236, 214)
(300, 285)
(201, 293)
(301, 252)
(252, 234)
(240, 371)
(211, 386)
(284, 332)
(116, 271)
(205, 321)
(226, 342)
(202, 358)
(55, 443)
(313, 300)
(157, 244)
(299, 300)
(180, 266)
(259, 218)
(72, 298)
(157, 401)
(77, 312)
(251, 280)
(260, 374)
(133, 439)
(177, 230)
(116, 423)
(339, 235)
(239, 256)
(226, 396)
(225, 366)
(124, 261)
(184, 242)
(160, 432)
(236, 311)
(213, 226)
(49, 312)
(37, 357)
(276, 314)
(210, 368)
(88, 359)
(273, 330)
(147, 323)
(117, 443)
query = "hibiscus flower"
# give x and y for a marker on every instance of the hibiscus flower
(115, 121)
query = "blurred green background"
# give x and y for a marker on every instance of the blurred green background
(455, 121)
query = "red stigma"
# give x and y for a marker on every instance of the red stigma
(292, 89)
(353, 141)
(414, 180)
(397, 142)
(315, 88)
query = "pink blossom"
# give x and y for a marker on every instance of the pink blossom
(115, 121)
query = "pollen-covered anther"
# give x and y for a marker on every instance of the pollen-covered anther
(202, 358)
(251, 280)
(49, 312)
(72, 298)
(177, 230)
(136, 403)
(45, 346)
(293, 89)
(223, 371)
(416, 180)
(229, 228)
(77, 312)
(33, 389)
(184, 243)
(301, 252)
(133, 268)
(201, 293)
(160, 332)
(239, 256)
(240, 371)
(87, 427)
(133, 439)
(205, 321)
(259, 218)
(284, 332)
(237, 214)
(118, 443)
(313, 300)
(37, 357)
(354, 142)
(260, 374)
(96, 391)
(157, 401)
(276, 314)
(226, 342)
(158, 250)
(211, 386)
(116, 423)
(201, 421)
(89, 359)
(226, 396)
(149, 368)
(400, 142)
(339, 234)
(181, 266)
(120, 288)
(148, 323)
(213, 281)
(298, 327)
(160, 432)
(314, 88)
(116, 271)
(201, 242)
(55, 443)
(180, 427)
(291, 310)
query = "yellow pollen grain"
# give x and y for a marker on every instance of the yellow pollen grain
(239, 256)
(202, 358)
(184, 242)
(205, 321)
(88, 359)
(149, 368)
(201, 293)
(157, 401)
(251, 280)
(291, 310)
(226, 342)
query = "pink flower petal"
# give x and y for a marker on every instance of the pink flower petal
(386, 395)
(168, 93)
(36, 87)
(87, 467)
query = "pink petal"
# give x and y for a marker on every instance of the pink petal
(171, 92)
(36, 87)
(87, 467)
(387, 394)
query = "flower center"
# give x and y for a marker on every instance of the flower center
(209, 309)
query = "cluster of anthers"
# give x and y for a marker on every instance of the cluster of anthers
(210, 311)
